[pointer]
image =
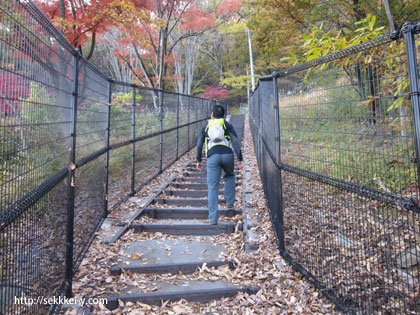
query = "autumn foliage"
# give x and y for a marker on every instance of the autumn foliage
(216, 93)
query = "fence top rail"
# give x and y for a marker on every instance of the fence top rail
(415, 28)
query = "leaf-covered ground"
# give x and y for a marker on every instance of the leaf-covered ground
(282, 290)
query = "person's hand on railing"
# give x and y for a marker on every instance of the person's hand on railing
(199, 166)
(240, 164)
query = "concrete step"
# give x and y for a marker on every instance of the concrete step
(199, 180)
(191, 290)
(185, 268)
(201, 174)
(192, 202)
(186, 229)
(170, 256)
(192, 186)
(189, 193)
(186, 213)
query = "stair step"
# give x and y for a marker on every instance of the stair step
(200, 175)
(185, 268)
(192, 186)
(189, 193)
(195, 186)
(198, 179)
(186, 229)
(193, 202)
(199, 291)
(186, 213)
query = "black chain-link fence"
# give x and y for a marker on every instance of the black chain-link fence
(74, 144)
(337, 143)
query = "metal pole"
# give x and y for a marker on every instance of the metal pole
(177, 128)
(196, 117)
(71, 182)
(133, 144)
(188, 130)
(161, 131)
(108, 133)
(251, 60)
(407, 30)
(247, 84)
(279, 201)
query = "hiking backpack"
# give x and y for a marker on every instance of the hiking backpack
(216, 130)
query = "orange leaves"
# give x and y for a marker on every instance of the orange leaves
(83, 18)
(229, 7)
(197, 19)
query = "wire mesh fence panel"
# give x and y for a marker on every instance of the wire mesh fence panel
(147, 112)
(147, 160)
(35, 88)
(92, 111)
(120, 132)
(34, 117)
(183, 146)
(33, 254)
(348, 192)
(170, 106)
(91, 136)
(169, 150)
(121, 113)
(183, 109)
(89, 204)
(119, 180)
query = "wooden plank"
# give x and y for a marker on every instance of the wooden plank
(186, 213)
(156, 298)
(185, 268)
(186, 229)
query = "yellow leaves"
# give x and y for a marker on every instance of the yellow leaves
(124, 12)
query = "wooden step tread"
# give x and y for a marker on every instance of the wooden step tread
(196, 295)
(186, 229)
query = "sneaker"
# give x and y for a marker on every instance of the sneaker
(213, 222)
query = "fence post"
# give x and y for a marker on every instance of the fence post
(71, 181)
(161, 130)
(196, 118)
(280, 230)
(177, 128)
(108, 134)
(133, 143)
(413, 74)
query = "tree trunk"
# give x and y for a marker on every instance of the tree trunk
(389, 16)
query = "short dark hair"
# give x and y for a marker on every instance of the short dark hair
(218, 111)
